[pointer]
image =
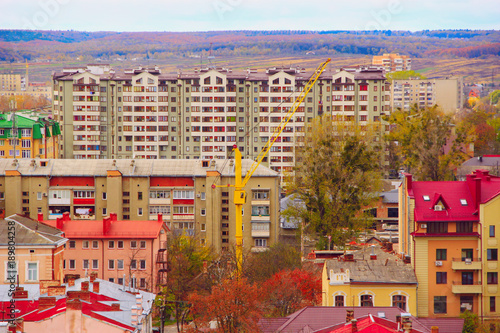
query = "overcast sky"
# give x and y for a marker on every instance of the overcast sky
(203, 15)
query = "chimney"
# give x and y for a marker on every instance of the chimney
(74, 320)
(93, 276)
(46, 302)
(115, 307)
(56, 290)
(349, 316)
(20, 293)
(85, 286)
(134, 319)
(434, 329)
(409, 182)
(106, 224)
(71, 282)
(406, 322)
(373, 256)
(65, 216)
(73, 304)
(138, 303)
(348, 257)
(40, 217)
(113, 216)
(354, 325)
(59, 223)
(95, 287)
(160, 217)
(79, 295)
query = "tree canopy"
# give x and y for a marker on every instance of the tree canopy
(336, 174)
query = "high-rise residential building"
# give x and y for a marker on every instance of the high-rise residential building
(446, 93)
(393, 62)
(193, 196)
(448, 230)
(28, 134)
(145, 114)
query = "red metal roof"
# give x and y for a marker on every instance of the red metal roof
(117, 229)
(369, 325)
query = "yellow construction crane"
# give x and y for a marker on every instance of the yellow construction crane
(239, 184)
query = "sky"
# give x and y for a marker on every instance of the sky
(209, 15)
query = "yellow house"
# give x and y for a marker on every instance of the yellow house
(369, 277)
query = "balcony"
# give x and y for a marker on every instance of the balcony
(465, 264)
(459, 288)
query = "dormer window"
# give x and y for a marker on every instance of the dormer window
(427, 198)
(438, 208)
(463, 202)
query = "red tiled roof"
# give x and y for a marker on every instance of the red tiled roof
(369, 325)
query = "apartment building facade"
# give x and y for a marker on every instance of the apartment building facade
(393, 62)
(446, 93)
(138, 190)
(145, 114)
(449, 230)
(27, 134)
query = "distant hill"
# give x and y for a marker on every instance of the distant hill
(21, 45)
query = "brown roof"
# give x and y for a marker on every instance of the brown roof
(30, 232)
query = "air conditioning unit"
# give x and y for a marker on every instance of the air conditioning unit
(45, 194)
(423, 225)
(439, 263)
(198, 195)
(438, 208)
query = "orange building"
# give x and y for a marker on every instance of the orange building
(448, 228)
(118, 251)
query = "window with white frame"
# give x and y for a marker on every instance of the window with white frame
(202, 195)
(85, 264)
(31, 271)
(119, 263)
(133, 264)
(11, 270)
(142, 264)
(39, 195)
(261, 242)
(95, 264)
(72, 264)
(139, 211)
(143, 244)
(203, 212)
(133, 244)
(183, 194)
(85, 244)
(111, 264)
(95, 244)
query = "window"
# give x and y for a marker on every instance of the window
(492, 277)
(339, 300)
(492, 231)
(111, 244)
(392, 212)
(493, 307)
(139, 211)
(85, 244)
(32, 271)
(203, 227)
(183, 194)
(119, 263)
(104, 196)
(467, 254)
(202, 195)
(142, 283)
(143, 244)
(203, 212)
(120, 244)
(112, 280)
(133, 244)
(133, 264)
(120, 281)
(467, 278)
(464, 227)
(39, 195)
(439, 304)
(441, 277)
(95, 244)
(142, 264)
(260, 242)
(139, 195)
(492, 254)
(260, 195)
(440, 254)
(104, 211)
(72, 244)
(85, 264)
(466, 303)
(95, 264)
(437, 228)
(399, 301)
(366, 300)
(111, 264)
(72, 264)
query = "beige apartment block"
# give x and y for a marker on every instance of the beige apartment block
(446, 93)
(393, 62)
(143, 113)
(138, 190)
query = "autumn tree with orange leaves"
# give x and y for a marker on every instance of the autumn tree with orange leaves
(234, 305)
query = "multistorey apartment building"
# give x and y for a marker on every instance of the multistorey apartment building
(137, 190)
(446, 93)
(145, 114)
(448, 230)
(393, 62)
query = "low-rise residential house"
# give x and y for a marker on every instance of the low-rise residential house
(116, 250)
(369, 277)
(324, 319)
(485, 162)
(448, 229)
(82, 305)
(30, 251)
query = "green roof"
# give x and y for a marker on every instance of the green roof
(26, 122)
